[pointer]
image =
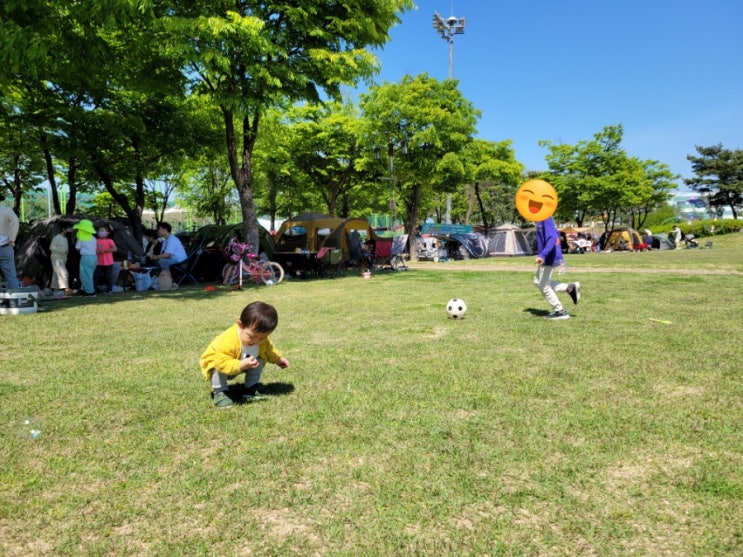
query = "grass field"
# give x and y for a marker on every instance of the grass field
(395, 431)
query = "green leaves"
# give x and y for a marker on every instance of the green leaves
(597, 177)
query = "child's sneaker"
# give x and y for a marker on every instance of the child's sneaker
(222, 401)
(562, 314)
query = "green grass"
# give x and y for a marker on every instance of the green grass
(395, 431)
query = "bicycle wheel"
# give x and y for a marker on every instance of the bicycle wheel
(271, 273)
(228, 274)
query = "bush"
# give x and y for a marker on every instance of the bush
(704, 228)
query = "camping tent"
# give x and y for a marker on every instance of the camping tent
(312, 231)
(662, 241)
(625, 239)
(33, 258)
(466, 246)
(509, 240)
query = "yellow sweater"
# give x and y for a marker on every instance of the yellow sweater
(223, 354)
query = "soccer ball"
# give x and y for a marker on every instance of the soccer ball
(456, 308)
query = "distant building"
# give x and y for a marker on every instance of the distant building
(693, 206)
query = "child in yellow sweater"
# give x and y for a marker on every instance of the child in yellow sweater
(243, 348)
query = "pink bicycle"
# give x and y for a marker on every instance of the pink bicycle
(243, 264)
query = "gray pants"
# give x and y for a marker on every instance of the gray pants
(548, 287)
(252, 376)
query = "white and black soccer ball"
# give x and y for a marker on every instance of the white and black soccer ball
(456, 308)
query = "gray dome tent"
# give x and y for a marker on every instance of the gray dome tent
(508, 240)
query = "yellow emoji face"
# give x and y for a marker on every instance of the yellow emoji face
(536, 200)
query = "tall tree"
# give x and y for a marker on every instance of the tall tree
(21, 163)
(325, 143)
(597, 177)
(719, 176)
(431, 122)
(493, 175)
(661, 181)
(246, 57)
(115, 124)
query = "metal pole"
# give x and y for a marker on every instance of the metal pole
(451, 56)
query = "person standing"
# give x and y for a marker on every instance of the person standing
(549, 256)
(86, 244)
(60, 247)
(105, 248)
(172, 251)
(677, 236)
(9, 225)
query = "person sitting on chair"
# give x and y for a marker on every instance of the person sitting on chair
(152, 246)
(172, 251)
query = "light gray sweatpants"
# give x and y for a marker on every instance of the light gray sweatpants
(252, 376)
(548, 287)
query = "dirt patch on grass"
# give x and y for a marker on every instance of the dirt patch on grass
(459, 266)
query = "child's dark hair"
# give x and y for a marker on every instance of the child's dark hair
(260, 316)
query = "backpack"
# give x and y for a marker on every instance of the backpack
(165, 280)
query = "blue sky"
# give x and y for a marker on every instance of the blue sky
(670, 71)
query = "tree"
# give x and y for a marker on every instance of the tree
(281, 188)
(719, 176)
(661, 181)
(492, 174)
(597, 177)
(247, 57)
(115, 125)
(21, 165)
(430, 121)
(324, 145)
(209, 190)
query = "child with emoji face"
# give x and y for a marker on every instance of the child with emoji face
(536, 200)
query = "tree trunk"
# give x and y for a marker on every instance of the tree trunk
(50, 175)
(482, 207)
(241, 171)
(72, 183)
(413, 206)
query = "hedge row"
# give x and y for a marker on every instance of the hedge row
(704, 228)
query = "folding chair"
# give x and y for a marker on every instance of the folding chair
(397, 252)
(185, 269)
(382, 253)
(330, 262)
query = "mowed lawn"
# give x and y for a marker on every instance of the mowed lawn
(396, 431)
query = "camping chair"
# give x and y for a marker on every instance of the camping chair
(185, 269)
(397, 252)
(330, 262)
(355, 249)
(382, 252)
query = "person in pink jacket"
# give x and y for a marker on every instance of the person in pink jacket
(243, 348)
(104, 249)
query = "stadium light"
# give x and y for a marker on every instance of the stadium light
(447, 28)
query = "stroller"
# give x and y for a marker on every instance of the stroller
(690, 242)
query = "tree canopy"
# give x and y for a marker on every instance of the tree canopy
(719, 177)
(597, 178)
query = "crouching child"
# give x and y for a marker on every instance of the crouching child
(243, 348)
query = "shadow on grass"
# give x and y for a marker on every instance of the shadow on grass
(237, 391)
(537, 312)
(187, 292)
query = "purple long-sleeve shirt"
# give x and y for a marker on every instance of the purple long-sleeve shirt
(548, 243)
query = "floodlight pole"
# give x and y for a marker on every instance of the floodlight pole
(447, 28)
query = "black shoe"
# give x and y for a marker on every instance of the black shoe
(555, 315)
(574, 292)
